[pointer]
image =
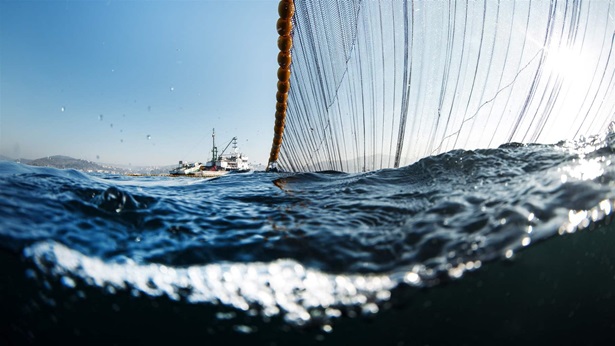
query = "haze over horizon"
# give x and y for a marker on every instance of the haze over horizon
(137, 83)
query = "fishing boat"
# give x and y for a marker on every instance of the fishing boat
(186, 168)
(221, 164)
(231, 162)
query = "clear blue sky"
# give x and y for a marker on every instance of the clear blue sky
(137, 82)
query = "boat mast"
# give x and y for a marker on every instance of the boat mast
(214, 150)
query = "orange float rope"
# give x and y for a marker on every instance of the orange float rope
(286, 10)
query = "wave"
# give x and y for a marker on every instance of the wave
(464, 233)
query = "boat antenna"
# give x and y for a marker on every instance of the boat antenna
(214, 150)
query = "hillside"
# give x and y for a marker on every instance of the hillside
(66, 162)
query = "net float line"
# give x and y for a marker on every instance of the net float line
(286, 10)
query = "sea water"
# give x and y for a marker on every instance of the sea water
(511, 245)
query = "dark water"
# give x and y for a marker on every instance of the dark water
(502, 246)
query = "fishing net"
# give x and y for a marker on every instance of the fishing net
(379, 84)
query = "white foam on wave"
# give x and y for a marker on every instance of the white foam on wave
(283, 287)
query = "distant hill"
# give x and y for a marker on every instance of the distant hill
(66, 162)
(22, 160)
(6, 158)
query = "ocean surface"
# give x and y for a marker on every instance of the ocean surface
(512, 245)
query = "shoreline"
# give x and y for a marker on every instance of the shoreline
(196, 175)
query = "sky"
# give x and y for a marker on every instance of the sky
(137, 83)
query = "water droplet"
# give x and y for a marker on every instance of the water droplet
(30, 274)
(509, 253)
(62, 109)
(68, 282)
(412, 278)
(111, 124)
(244, 329)
(225, 315)
(121, 141)
(148, 137)
(370, 309)
(100, 117)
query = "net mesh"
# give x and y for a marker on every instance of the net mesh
(379, 84)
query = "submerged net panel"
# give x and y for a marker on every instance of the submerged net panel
(379, 84)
